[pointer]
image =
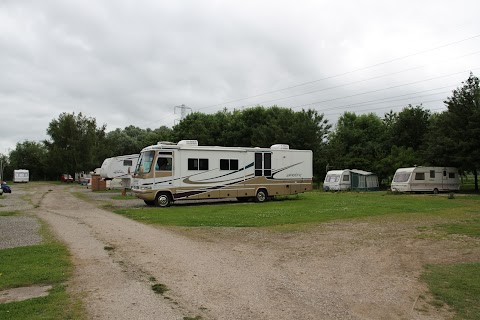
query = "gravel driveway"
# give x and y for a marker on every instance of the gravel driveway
(367, 269)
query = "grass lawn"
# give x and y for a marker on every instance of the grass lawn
(311, 207)
(44, 264)
(457, 285)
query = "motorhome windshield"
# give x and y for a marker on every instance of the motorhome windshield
(145, 162)
(401, 177)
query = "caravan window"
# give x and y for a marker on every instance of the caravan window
(420, 176)
(451, 175)
(346, 178)
(401, 177)
(197, 164)
(332, 178)
(127, 163)
(228, 164)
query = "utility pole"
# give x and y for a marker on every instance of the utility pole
(183, 110)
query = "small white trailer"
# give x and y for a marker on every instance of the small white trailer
(426, 179)
(21, 175)
(120, 167)
(167, 172)
(350, 179)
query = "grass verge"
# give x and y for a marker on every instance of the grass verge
(44, 264)
(456, 285)
(311, 207)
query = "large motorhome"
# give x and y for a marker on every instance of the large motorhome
(426, 179)
(167, 172)
(120, 167)
(21, 175)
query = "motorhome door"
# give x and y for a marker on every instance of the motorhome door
(164, 168)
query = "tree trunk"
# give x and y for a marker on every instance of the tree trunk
(475, 174)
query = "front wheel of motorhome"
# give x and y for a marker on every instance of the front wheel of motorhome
(261, 195)
(163, 200)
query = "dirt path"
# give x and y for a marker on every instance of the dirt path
(362, 270)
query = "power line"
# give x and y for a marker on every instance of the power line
(383, 89)
(358, 81)
(344, 73)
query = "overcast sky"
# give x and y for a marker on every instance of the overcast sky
(131, 62)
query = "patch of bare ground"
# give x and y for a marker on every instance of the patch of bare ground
(363, 269)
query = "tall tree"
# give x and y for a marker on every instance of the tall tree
(457, 130)
(358, 143)
(75, 143)
(32, 156)
(409, 127)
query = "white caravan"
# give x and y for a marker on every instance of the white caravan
(426, 179)
(120, 167)
(167, 172)
(350, 179)
(21, 175)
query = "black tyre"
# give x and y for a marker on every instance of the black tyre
(435, 191)
(261, 195)
(163, 200)
(149, 202)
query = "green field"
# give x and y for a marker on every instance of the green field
(311, 207)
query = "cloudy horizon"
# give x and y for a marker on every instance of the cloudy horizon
(130, 63)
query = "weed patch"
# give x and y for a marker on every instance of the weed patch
(159, 288)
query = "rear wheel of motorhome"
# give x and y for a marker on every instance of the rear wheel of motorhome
(261, 195)
(163, 200)
(149, 202)
(435, 191)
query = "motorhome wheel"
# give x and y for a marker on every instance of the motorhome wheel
(261, 195)
(163, 200)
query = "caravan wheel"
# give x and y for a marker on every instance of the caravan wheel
(163, 200)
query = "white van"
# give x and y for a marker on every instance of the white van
(426, 179)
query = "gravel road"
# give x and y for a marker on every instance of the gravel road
(366, 269)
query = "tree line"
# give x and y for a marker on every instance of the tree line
(413, 136)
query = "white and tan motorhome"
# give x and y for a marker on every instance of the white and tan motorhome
(426, 179)
(167, 172)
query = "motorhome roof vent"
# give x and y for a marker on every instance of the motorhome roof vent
(188, 143)
(280, 147)
(166, 143)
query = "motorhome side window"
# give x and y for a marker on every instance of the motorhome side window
(432, 174)
(197, 164)
(420, 176)
(228, 164)
(127, 163)
(164, 164)
(451, 175)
